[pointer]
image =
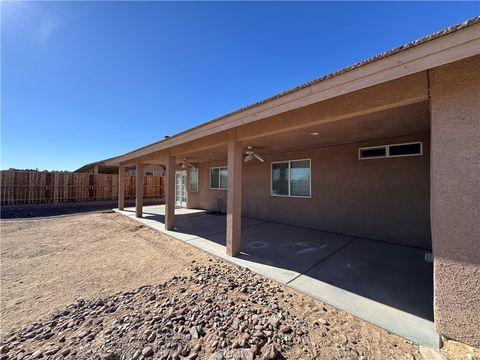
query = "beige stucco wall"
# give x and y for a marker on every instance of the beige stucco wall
(385, 199)
(153, 167)
(455, 122)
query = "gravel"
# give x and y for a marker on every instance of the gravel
(200, 308)
(218, 312)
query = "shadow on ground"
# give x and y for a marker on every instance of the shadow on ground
(46, 210)
(391, 274)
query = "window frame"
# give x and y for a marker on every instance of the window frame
(190, 180)
(289, 179)
(387, 151)
(210, 178)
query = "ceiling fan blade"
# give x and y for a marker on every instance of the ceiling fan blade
(259, 157)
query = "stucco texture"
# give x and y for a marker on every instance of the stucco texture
(455, 198)
(384, 199)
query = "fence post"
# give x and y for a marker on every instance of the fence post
(91, 181)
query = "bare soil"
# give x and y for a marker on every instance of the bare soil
(49, 264)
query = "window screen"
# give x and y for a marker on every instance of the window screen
(280, 178)
(194, 180)
(300, 178)
(223, 178)
(218, 178)
(214, 178)
(291, 178)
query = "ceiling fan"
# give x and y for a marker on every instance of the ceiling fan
(251, 155)
(184, 164)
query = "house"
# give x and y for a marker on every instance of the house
(148, 170)
(100, 167)
(387, 149)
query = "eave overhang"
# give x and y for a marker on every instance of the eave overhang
(447, 46)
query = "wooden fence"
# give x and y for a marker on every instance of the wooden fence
(24, 187)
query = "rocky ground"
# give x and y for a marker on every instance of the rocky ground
(137, 294)
(218, 312)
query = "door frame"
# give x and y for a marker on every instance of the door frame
(183, 180)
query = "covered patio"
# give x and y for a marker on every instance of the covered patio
(386, 284)
(340, 187)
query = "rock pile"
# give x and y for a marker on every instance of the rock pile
(218, 312)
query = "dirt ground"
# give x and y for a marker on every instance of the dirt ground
(47, 264)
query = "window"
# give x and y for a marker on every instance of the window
(405, 149)
(193, 180)
(374, 152)
(291, 178)
(218, 178)
(280, 178)
(394, 150)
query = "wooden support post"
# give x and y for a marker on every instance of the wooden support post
(121, 187)
(234, 195)
(170, 193)
(139, 190)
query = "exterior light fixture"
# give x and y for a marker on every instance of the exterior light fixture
(314, 133)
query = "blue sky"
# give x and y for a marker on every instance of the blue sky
(84, 81)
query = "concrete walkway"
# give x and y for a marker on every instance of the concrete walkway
(388, 285)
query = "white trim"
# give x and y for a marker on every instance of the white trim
(182, 174)
(210, 177)
(387, 151)
(289, 182)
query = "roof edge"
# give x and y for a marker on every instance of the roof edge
(436, 35)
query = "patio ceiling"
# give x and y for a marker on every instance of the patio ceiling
(405, 120)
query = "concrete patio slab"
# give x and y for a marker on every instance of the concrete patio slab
(287, 247)
(385, 284)
(389, 285)
(409, 326)
(383, 272)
